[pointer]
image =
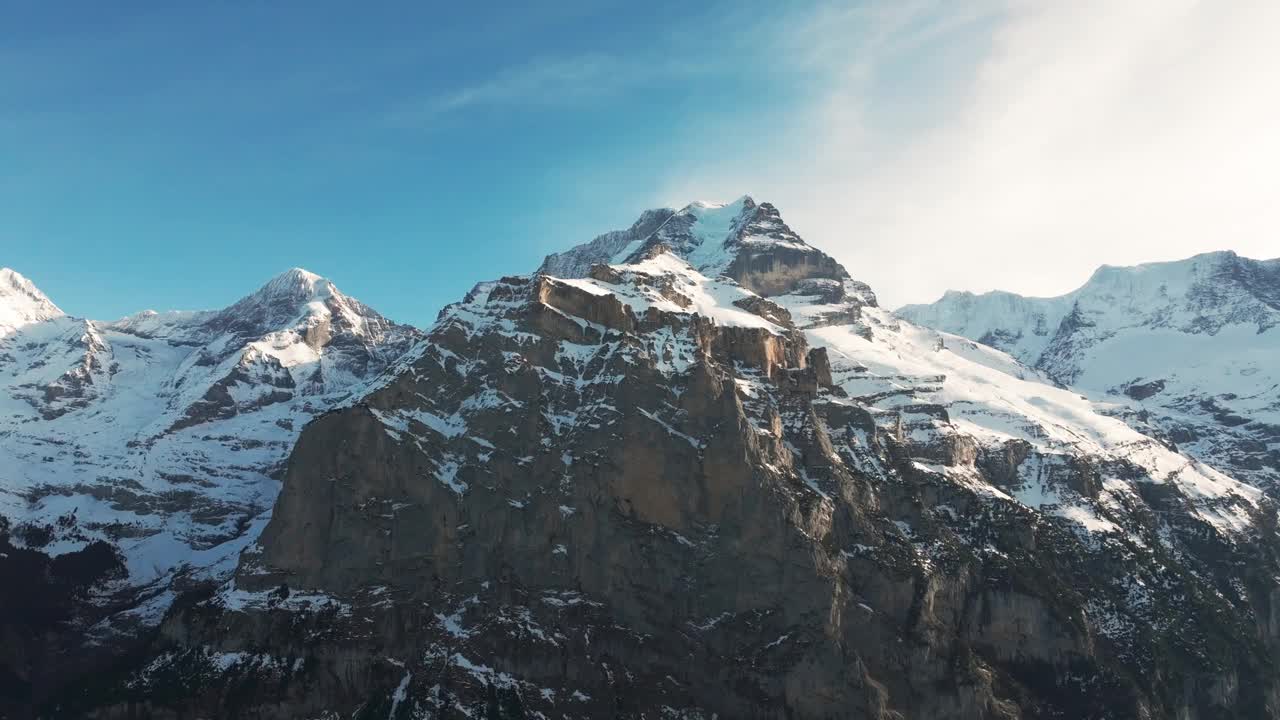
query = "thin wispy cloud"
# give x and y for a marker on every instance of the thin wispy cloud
(546, 81)
(555, 82)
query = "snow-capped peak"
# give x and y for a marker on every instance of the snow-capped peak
(700, 232)
(291, 298)
(744, 240)
(197, 409)
(1200, 294)
(296, 285)
(22, 303)
(736, 206)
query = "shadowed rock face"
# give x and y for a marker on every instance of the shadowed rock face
(644, 492)
(770, 259)
(778, 270)
(39, 596)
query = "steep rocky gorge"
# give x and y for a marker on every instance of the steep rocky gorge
(702, 474)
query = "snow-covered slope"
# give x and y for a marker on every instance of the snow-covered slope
(1018, 325)
(162, 433)
(744, 239)
(708, 476)
(1189, 350)
(605, 248)
(940, 388)
(22, 303)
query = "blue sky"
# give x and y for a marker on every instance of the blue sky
(178, 155)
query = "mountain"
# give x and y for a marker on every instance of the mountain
(701, 473)
(140, 456)
(746, 241)
(1188, 350)
(22, 303)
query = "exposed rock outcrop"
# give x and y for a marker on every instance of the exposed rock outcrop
(650, 491)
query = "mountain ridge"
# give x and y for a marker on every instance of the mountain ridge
(148, 448)
(1225, 262)
(1184, 348)
(713, 477)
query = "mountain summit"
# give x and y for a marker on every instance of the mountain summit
(746, 241)
(22, 303)
(691, 469)
(282, 298)
(143, 454)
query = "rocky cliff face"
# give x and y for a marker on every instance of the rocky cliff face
(1189, 351)
(140, 456)
(689, 484)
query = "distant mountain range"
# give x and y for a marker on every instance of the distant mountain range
(689, 469)
(1189, 351)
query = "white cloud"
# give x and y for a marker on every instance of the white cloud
(1076, 133)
